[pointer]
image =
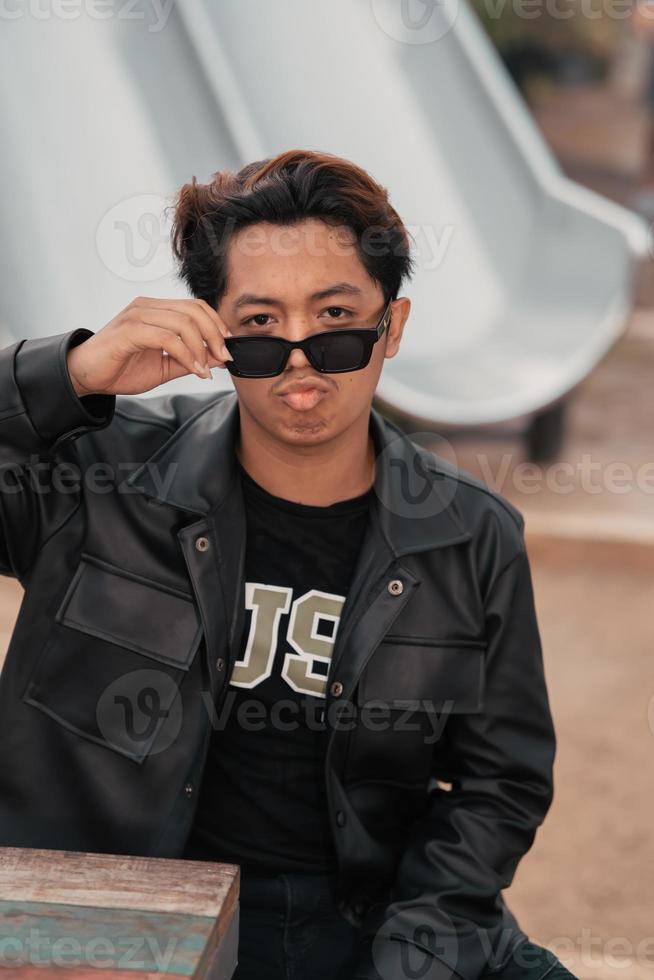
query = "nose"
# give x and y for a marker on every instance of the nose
(297, 359)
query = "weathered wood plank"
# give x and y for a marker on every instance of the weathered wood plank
(47, 934)
(72, 913)
(118, 881)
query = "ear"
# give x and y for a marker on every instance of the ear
(399, 314)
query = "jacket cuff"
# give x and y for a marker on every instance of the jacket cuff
(51, 403)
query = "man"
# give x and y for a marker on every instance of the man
(264, 626)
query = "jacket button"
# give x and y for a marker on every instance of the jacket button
(202, 544)
(340, 818)
(336, 689)
(188, 789)
(220, 663)
(395, 586)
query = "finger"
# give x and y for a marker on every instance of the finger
(214, 329)
(208, 320)
(194, 315)
(216, 362)
(173, 369)
(183, 324)
(215, 317)
(149, 336)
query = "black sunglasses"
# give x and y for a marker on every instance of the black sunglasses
(330, 352)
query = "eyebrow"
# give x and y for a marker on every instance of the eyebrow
(338, 289)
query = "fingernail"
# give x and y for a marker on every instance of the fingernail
(201, 369)
(228, 356)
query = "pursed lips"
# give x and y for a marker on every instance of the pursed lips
(305, 395)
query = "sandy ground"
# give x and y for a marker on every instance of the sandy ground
(585, 889)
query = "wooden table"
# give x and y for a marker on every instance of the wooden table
(85, 916)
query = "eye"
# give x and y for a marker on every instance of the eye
(256, 316)
(338, 309)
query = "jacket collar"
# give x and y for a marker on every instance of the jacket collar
(195, 468)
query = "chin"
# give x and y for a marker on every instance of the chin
(306, 425)
(312, 426)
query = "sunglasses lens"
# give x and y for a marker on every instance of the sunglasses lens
(338, 352)
(256, 358)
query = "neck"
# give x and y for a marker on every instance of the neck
(318, 475)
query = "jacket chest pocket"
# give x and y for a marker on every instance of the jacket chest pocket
(405, 695)
(433, 675)
(120, 647)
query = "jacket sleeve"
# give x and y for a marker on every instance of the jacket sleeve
(39, 413)
(446, 915)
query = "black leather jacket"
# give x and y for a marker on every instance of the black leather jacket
(123, 519)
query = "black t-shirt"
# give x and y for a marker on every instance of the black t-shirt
(262, 801)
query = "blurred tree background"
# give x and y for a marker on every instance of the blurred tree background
(586, 70)
(559, 42)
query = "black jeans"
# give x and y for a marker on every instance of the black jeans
(290, 929)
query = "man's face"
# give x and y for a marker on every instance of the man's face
(285, 266)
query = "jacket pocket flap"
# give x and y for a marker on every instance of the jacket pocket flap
(131, 611)
(425, 675)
